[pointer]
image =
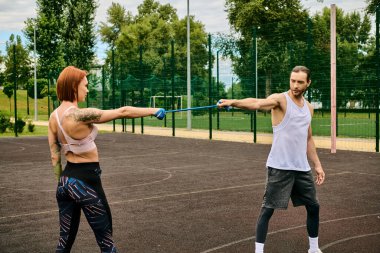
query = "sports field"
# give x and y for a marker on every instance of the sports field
(176, 195)
(361, 125)
(353, 125)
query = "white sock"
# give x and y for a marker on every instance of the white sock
(313, 242)
(259, 247)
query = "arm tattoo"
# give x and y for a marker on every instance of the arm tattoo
(85, 115)
(56, 150)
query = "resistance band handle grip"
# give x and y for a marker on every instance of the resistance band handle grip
(227, 108)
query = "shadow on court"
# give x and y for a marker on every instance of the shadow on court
(174, 195)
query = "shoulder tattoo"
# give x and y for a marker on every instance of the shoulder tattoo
(87, 115)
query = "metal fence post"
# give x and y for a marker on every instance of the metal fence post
(254, 57)
(209, 86)
(15, 87)
(309, 52)
(48, 96)
(165, 91)
(172, 77)
(113, 86)
(217, 89)
(377, 76)
(133, 104)
(103, 86)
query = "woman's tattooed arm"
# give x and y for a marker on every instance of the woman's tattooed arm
(87, 115)
(93, 115)
(55, 150)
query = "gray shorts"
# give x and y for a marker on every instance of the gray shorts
(285, 184)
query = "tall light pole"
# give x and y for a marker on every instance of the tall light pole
(35, 77)
(333, 76)
(188, 70)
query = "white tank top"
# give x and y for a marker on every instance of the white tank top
(289, 147)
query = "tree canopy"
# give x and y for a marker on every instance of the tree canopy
(65, 34)
(287, 35)
(17, 57)
(152, 29)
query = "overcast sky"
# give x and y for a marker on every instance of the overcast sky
(211, 13)
(13, 13)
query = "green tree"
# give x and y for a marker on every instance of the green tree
(271, 20)
(1, 58)
(2, 76)
(117, 18)
(151, 30)
(65, 34)
(41, 88)
(198, 48)
(22, 63)
(235, 91)
(353, 50)
(79, 33)
(49, 23)
(8, 91)
(372, 4)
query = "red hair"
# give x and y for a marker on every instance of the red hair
(68, 82)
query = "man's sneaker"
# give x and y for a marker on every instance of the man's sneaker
(319, 251)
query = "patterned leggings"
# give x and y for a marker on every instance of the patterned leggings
(74, 195)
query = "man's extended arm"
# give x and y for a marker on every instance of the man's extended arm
(268, 103)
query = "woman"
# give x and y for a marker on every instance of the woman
(79, 185)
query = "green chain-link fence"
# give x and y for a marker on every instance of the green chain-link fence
(261, 63)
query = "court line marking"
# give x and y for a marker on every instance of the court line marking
(142, 199)
(145, 155)
(186, 193)
(28, 214)
(285, 230)
(20, 143)
(105, 188)
(363, 173)
(147, 183)
(347, 239)
(154, 197)
(158, 181)
(17, 149)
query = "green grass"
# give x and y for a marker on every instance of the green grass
(355, 125)
(38, 131)
(8, 108)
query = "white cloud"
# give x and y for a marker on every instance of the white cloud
(346, 5)
(14, 13)
(212, 13)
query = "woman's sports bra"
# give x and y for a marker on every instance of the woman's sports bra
(77, 146)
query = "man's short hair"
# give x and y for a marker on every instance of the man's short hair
(297, 69)
(68, 82)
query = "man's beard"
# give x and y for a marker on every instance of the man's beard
(300, 92)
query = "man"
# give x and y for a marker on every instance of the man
(289, 173)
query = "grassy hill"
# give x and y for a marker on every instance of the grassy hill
(7, 107)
